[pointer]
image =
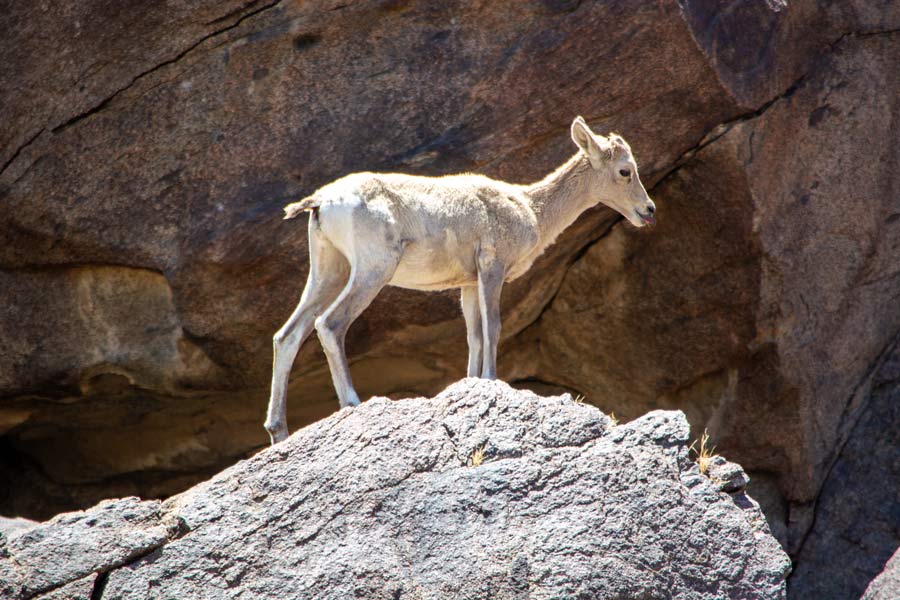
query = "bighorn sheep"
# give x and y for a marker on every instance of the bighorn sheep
(369, 230)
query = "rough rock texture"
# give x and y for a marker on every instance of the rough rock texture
(74, 545)
(146, 152)
(887, 585)
(7, 526)
(858, 512)
(385, 501)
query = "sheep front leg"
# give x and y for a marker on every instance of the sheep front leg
(490, 281)
(472, 314)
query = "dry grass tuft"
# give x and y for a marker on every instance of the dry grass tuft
(705, 453)
(477, 456)
(579, 399)
(613, 420)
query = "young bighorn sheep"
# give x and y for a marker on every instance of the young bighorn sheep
(369, 230)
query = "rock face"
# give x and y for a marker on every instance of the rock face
(858, 512)
(145, 154)
(481, 492)
(887, 585)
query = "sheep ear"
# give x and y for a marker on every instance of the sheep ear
(583, 138)
(596, 149)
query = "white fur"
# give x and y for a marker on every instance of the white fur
(368, 230)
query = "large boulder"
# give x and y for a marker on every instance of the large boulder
(481, 492)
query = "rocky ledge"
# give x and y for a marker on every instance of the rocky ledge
(481, 492)
(887, 585)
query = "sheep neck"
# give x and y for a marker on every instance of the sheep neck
(560, 197)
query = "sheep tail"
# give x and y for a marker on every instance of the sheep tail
(310, 203)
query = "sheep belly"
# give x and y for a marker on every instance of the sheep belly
(432, 265)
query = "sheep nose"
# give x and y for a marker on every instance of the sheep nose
(651, 208)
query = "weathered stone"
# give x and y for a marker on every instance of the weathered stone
(74, 545)
(8, 526)
(386, 500)
(857, 518)
(728, 476)
(80, 589)
(887, 585)
(759, 49)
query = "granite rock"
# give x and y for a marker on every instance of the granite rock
(480, 492)
(887, 585)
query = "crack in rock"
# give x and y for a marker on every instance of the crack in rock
(721, 129)
(19, 150)
(106, 101)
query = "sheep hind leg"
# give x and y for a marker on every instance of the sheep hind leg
(367, 278)
(490, 283)
(327, 274)
(472, 314)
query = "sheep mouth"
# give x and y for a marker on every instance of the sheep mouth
(649, 220)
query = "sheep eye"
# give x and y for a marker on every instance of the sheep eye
(624, 172)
